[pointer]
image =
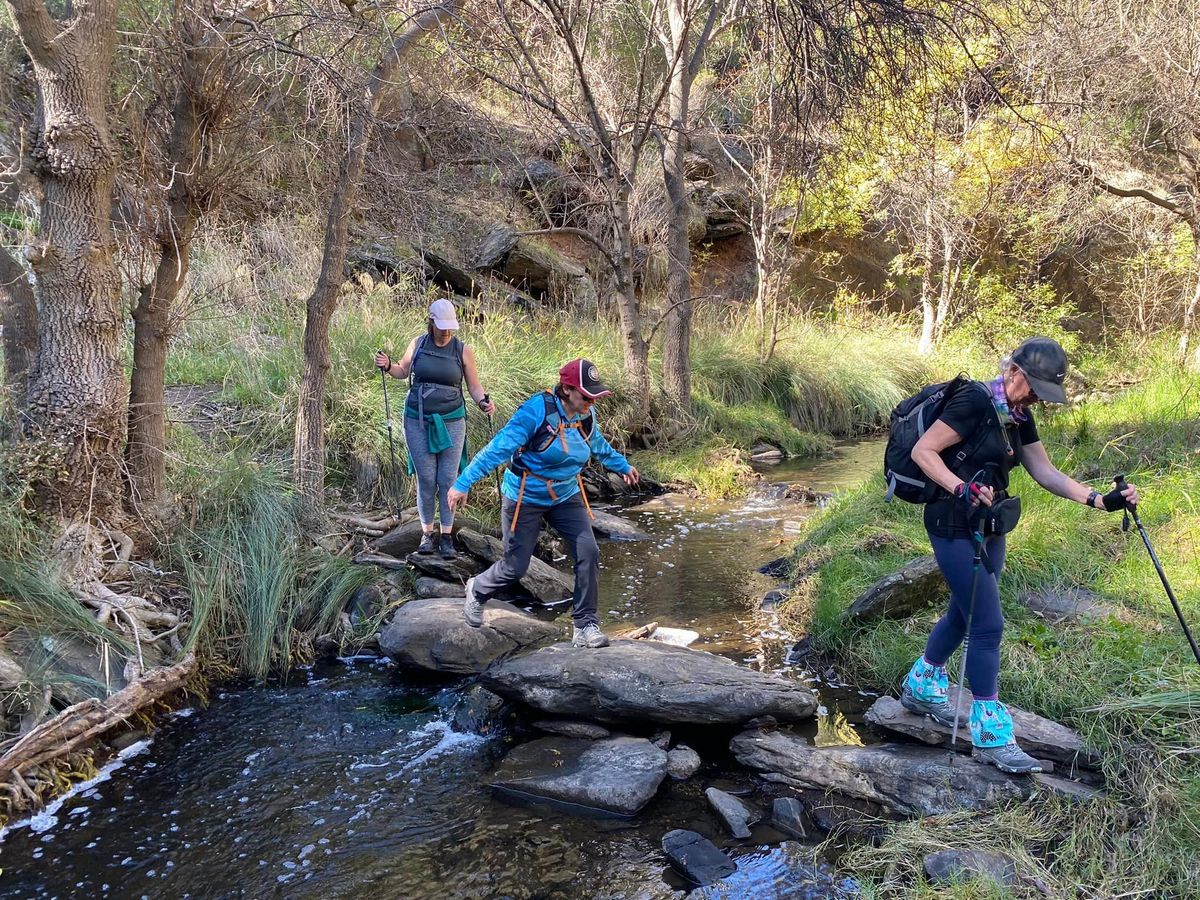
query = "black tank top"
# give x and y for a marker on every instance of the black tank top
(437, 377)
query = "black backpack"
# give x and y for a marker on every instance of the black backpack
(547, 432)
(910, 419)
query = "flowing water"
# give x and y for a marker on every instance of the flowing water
(348, 781)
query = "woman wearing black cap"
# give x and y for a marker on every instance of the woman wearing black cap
(546, 444)
(986, 428)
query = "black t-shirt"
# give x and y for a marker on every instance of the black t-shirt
(971, 414)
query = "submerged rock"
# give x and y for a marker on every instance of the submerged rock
(900, 594)
(911, 780)
(542, 581)
(645, 681)
(696, 858)
(676, 637)
(617, 775)
(1038, 736)
(431, 635)
(776, 568)
(478, 711)
(787, 815)
(737, 815)
(790, 871)
(948, 866)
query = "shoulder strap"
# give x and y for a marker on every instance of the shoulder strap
(412, 369)
(459, 349)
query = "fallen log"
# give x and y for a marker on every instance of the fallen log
(79, 723)
(637, 634)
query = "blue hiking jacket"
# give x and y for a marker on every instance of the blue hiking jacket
(561, 468)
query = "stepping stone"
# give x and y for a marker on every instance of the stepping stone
(543, 581)
(1039, 737)
(1072, 604)
(616, 528)
(737, 815)
(949, 866)
(454, 571)
(900, 594)
(478, 711)
(696, 858)
(618, 775)
(676, 637)
(787, 815)
(642, 682)
(915, 781)
(431, 635)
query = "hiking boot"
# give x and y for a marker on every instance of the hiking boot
(926, 692)
(992, 739)
(472, 608)
(446, 547)
(940, 711)
(427, 543)
(589, 636)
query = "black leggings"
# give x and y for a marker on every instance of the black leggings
(955, 558)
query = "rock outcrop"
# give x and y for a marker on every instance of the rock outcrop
(915, 587)
(645, 681)
(431, 635)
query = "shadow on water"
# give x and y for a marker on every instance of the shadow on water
(349, 778)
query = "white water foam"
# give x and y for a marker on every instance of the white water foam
(47, 818)
(448, 741)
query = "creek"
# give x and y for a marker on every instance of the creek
(347, 780)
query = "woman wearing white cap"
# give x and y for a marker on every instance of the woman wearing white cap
(435, 412)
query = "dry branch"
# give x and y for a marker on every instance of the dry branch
(79, 723)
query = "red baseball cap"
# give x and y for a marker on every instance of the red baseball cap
(583, 374)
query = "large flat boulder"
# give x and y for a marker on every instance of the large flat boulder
(914, 587)
(617, 775)
(542, 580)
(1070, 604)
(645, 681)
(916, 781)
(1038, 736)
(451, 571)
(427, 587)
(431, 635)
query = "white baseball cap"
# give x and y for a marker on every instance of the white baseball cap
(443, 315)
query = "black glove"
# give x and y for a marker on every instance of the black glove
(1113, 500)
(968, 493)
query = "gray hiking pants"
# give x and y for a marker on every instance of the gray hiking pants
(435, 472)
(570, 519)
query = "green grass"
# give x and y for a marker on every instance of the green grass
(817, 385)
(1128, 685)
(258, 595)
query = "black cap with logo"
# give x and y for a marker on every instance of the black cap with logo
(1044, 363)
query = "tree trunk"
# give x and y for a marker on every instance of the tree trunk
(677, 337)
(928, 313)
(1193, 306)
(76, 397)
(308, 462)
(18, 318)
(637, 350)
(208, 79)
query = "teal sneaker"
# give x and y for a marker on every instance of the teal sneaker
(926, 692)
(993, 742)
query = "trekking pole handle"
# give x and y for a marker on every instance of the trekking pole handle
(384, 369)
(1130, 509)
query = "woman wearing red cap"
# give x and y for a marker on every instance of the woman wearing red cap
(546, 444)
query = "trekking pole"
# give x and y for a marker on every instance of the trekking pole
(1131, 510)
(977, 563)
(387, 412)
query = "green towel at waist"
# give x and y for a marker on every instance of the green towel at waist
(437, 437)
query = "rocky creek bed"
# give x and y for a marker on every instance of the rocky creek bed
(502, 762)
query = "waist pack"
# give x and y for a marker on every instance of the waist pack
(1002, 517)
